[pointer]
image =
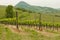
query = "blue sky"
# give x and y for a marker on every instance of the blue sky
(44, 3)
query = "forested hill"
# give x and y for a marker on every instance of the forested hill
(32, 8)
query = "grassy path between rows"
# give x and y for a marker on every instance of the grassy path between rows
(9, 32)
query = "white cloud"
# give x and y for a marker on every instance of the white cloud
(47, 3)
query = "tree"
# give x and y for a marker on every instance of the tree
(9, 11)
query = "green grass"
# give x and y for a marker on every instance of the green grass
(2, 11)
(34, 35)
(28, 34)
(6, 34)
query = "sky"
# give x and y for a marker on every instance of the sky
(44, 3)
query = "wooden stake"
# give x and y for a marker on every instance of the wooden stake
(17, 20)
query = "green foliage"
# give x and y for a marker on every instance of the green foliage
(26, 17)
(9, 11)
(8, 21)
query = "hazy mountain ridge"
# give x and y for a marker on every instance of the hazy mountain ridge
(26, 6)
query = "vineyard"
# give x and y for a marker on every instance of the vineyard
(40, 20)
(24, 24)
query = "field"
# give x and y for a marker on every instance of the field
(25, 33)
(26, 19)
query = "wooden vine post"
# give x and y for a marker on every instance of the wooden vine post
(40, 27)
(17, 20)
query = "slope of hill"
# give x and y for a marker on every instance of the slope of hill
(37, 9)
(25, 17)
(2, 11)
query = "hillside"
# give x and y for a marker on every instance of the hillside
(26, 17)
(38, 9)
(48, 15)
(2, 11)
(34, 23)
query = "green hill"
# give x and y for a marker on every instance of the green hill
(28, 14)
(24, 5)
(48, 15)
(2, 11)
(26, 17)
